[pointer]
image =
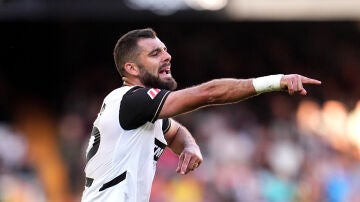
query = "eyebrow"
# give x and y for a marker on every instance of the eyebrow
(158, 49)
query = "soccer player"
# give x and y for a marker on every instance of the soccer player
(134, 124)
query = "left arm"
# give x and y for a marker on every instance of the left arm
(182, 143)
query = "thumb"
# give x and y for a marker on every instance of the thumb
(303, 92)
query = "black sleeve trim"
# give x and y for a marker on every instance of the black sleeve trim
(140, 105)
(160, 107)
(166, 125)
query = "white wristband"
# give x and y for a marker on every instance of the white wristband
(267, 83)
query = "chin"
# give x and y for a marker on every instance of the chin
(169, 83)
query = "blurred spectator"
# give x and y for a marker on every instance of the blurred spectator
(274, 149)
(18, 180)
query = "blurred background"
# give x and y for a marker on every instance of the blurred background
(56, 66)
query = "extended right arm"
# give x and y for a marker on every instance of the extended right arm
(218, 91)
(226, 91)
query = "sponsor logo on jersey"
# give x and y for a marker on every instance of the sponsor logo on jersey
(158, 149)
(152, 92)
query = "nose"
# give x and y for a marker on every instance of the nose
(167, 56)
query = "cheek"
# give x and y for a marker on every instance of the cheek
(151, 65)
(154, 68)
(153, 71)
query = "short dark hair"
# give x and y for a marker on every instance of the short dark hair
(126, 47)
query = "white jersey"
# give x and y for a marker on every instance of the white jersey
(125, 144)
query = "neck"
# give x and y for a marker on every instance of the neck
(129, 82)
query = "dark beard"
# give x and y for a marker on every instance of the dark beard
(150, 80)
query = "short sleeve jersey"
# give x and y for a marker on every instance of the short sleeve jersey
(126, 141)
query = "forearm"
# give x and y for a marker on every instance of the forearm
(223, 91)
(180, 140)
(214, 92)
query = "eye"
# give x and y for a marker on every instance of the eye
(155, 53)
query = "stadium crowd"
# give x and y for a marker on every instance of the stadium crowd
(258, 150)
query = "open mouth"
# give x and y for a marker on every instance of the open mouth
(165, 71)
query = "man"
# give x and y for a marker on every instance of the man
(134, 124)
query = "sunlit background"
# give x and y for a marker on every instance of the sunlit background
(56, 66)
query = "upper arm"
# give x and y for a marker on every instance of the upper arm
(174, 140)
(141, 105)
(182, 101)
(170, 133)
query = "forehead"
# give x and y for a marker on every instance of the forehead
(149, 44)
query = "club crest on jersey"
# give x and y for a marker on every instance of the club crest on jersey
(152, 92)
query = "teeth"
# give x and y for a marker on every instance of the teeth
(165, 72)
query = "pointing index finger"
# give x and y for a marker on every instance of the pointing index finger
(307, 80)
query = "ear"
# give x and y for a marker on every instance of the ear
(131, 68)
